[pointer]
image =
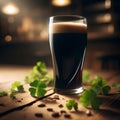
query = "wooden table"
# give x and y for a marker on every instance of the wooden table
(52, 107)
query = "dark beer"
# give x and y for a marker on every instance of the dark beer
(68, 45)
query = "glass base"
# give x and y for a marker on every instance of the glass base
(69, 91)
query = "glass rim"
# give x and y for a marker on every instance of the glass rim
(74, 17)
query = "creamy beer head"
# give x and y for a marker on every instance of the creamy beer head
(68, 27)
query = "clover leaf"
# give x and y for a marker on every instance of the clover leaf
(37, 88)
(72, 104)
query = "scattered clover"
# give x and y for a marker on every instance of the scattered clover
(38, 79)
(71, 104)
(12, 95)
(3, 93)
(37, 88)
(89, 98)
(17, 87)
(39, 72)
(99, 86)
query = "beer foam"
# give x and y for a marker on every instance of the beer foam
(68, 27)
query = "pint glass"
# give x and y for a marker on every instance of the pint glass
(68, 40)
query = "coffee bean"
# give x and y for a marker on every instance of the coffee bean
(40, 115)
(41, 105)
(19, 101)
(60, 106)
(63, 111)
(67, 115)
(56, 114)
(50, 109)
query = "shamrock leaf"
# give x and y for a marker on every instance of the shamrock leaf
(72, 104)
(89, 98)
(37, 88)
(17, 87)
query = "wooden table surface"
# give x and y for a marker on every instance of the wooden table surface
(52, 107)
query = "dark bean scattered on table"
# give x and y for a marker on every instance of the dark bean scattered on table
(56, 114)
(40, 115)
(41, 105)
(67, 115)
(62, 111)
(50, 109)
(60, 106)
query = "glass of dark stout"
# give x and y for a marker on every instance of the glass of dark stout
(68, 41)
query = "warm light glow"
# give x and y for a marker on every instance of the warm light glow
(107, 17)
(108, 4)
(61, 3)
(104, 18)
(27, 24)
(111, 29)
(10, 9)
(8, 38)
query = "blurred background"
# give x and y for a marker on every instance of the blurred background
(24, 30)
